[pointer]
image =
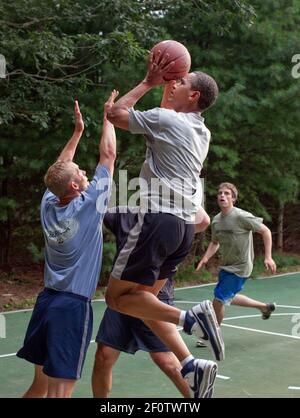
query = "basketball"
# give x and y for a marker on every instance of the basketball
(177, 53)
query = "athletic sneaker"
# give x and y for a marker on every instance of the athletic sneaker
(201, 321)
(200, 375)
(200, 344)
(270, 308)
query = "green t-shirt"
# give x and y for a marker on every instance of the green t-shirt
(234, 234)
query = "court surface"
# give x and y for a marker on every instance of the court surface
(262, 357)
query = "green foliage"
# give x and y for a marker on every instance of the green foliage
(57, 51)
(109, 252)
(284, 263)
(37, 254)
(187, 274)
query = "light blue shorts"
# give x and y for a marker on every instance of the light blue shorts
(228, 286)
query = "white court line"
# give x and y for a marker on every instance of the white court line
(276, 275)
(259, 316)
(186, 301)
(294, 387)
(195, 286)
(237, 317)
(261, 331)
(7, 355)
(20, 310)
(176, 289)
(257, 278)
(220, 376)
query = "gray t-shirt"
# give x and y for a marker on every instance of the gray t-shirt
(234, 234)
(177, 145)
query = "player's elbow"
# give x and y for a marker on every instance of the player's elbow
(264, 230)
(119, 117)
(114, 114)
(203, 225)
(108, 153)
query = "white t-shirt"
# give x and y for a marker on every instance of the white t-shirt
(177, 145)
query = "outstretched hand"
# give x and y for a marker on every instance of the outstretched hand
(202, 263)
(158, 68)
(110, 101)
(79, 124)
(270, 264)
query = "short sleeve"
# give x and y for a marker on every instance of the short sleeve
(249, 221)
(144, 122)
(100, 182)
(99, 189)
(48, 197)
(213, 233)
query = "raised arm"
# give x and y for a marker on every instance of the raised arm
(69, 150)
(267, 239)
(118, 114)
(211, 250)
(107, 145)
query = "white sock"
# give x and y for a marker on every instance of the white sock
(182, 318)
(187, 359)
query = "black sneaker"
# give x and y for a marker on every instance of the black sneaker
(270, 308)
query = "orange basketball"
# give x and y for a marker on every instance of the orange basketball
(177, 53)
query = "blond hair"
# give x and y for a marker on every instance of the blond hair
(231, 187)
(58, 177)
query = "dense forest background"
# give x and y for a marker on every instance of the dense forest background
(60, 50)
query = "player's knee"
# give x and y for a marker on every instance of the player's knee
(169, 367)
(111, 301)
(103, 358)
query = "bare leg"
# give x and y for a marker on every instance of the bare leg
(39, 386)
(131, 299)
(242, 300)
(170, 336)
(169, 364)
(60, 388)
(219, 310)
(105, 359)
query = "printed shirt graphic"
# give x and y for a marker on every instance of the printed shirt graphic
(73, 237)
(177, 145)
(234, 234)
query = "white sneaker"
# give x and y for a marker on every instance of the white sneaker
(201, 376)
(201, 320)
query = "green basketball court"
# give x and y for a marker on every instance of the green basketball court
(262, 357)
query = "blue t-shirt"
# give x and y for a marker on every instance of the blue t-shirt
(73, 237)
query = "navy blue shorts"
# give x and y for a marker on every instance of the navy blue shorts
(59, 333)
(128, 334)
(152, 246)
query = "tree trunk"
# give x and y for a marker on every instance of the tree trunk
(5, 226)
(280, 227)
